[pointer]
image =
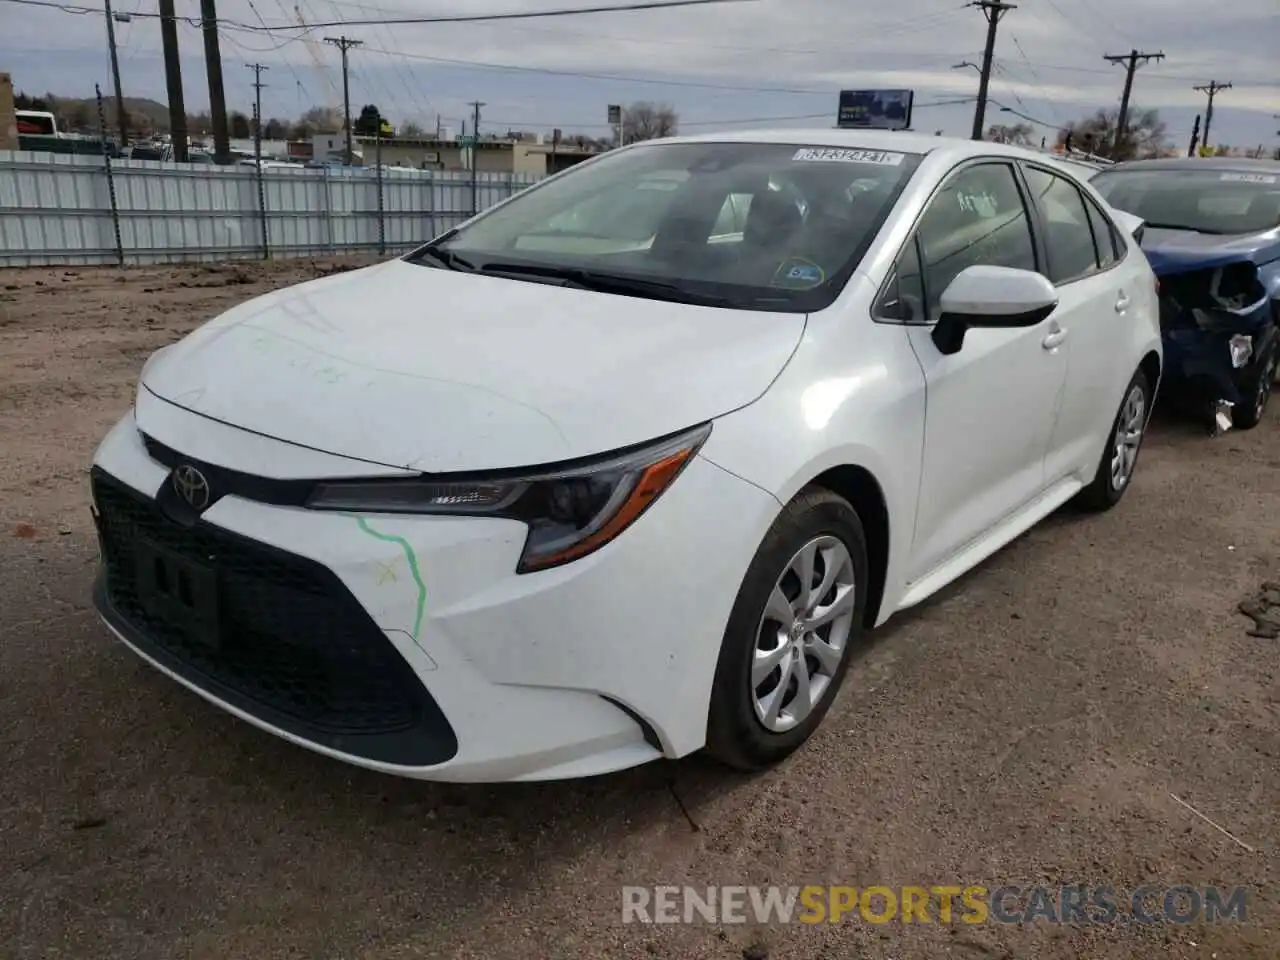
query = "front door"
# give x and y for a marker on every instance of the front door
(991, 407)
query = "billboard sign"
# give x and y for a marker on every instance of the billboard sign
(615, 114)
(875, 109)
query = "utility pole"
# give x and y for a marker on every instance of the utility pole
(993, 10)
(344, 44)
(1122, 120)
(1195, 137)
(173, 81)
(122, 117)
(257, 69)
(213, 67)
(475, 146)
(1212, 88)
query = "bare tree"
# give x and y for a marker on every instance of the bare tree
(1021, 134)
(648, 121)
(1144, 136)
(322, 119)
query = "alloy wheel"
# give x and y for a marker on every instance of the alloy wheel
(1129, 427)
(803, 634)
(1263, 393)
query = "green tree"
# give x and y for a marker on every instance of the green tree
(369, 122)
(274, 129)
(240, 128)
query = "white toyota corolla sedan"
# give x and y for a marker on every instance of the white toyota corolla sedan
(625, 466)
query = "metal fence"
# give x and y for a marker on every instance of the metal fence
(69, 209)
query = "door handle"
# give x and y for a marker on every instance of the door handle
(1122, 303)
(1054, 340)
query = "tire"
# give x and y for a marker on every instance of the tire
(741, 730)
(1257, 390)
(1110, 483)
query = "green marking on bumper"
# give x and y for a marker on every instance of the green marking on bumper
(409, 556)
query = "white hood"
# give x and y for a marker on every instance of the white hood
(441, 371)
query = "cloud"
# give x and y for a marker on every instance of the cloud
(716, 64)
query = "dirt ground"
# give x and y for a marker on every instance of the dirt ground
(1029, 726)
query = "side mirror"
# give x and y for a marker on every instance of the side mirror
(989, 296)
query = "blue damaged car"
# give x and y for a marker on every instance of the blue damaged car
(1212, 234)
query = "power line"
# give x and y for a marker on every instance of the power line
(825, 115)
(296, 78)
(619, 78)
(879, 28)
(401, 21)
(376, 87)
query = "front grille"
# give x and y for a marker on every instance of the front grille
(290, 645)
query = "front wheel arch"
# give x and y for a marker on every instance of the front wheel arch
(862, 490)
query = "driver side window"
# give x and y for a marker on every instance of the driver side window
(977, 217)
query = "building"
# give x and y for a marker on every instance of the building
(505, 156)
(8, 118)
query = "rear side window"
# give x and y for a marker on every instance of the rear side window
(1106, 235)
(1069, 238)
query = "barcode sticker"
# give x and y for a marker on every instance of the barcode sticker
(837, 155)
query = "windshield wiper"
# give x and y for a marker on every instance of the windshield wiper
(446, 258)
(1152, 225)
(607, 283)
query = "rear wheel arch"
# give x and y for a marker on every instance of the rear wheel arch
(1150, 367)
(862, 490)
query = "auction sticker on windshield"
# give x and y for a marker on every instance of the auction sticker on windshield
(837, 155)
(1249, 177)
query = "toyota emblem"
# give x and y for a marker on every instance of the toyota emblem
(191, 486)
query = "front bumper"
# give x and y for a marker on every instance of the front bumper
(1200, 364)
(409, 645)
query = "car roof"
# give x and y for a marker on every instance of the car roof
(956, 148)
(1233, 164)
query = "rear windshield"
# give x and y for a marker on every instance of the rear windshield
(1207, 201)
(754, 225)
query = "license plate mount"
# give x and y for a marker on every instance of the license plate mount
(178, 591)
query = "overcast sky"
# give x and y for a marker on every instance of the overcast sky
(778, 62)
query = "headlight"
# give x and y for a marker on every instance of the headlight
(571, 511)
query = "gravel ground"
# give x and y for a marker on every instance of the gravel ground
(1028, 726)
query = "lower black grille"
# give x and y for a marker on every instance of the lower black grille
(279, 637)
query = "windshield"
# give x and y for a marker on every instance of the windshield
(1208, 201)
(744, 225)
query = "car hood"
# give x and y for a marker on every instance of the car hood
(425, 369)
(1177, 251)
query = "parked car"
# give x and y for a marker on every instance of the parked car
(1212, 235)
(547, 498)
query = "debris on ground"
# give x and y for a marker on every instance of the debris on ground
(1264, 609)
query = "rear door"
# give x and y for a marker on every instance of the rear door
(1083, 259)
